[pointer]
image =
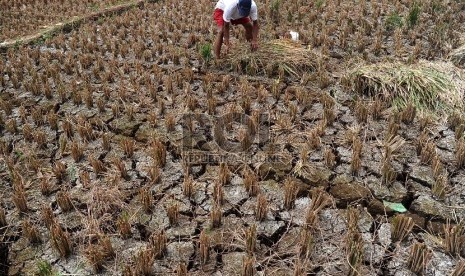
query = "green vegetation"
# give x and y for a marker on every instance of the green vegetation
(413, 15)
(94, 7)
(44, 268)
(319, 3)
(394, 21)
(206, 51)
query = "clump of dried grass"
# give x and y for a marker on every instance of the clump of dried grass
(428, 87)
(274, 58)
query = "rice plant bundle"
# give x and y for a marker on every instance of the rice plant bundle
(424, 86)
(275, 57)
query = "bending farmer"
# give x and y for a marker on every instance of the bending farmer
(235, 12)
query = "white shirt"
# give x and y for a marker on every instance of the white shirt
(232, 13)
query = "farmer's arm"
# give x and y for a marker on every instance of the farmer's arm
(226, 27)
(255, 29)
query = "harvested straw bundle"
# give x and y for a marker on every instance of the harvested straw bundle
(276, 57)
(458, 57)
(422, 85)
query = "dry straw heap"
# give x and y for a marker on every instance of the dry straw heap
(427, 87)
(275, 57)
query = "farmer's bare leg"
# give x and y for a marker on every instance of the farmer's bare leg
(248, 28)
(218, 42)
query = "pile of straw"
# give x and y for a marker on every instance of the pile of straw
(277, 57)
(423, 85)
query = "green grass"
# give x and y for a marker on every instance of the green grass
(394, 21)
(206, 51)
(44, 268)
(413, 15)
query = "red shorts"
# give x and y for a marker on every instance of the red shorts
(218, 17)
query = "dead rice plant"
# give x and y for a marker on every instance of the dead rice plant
(121, 167)
(67, 127)
(31, 232)
(124, 226)
(216, 216)
(52, 119)
(419, 258)
(94, 256)
(47, 216)
(157, 244)
(440, 187)
(361, 111)
(97, 165)
(84, 177)
(11, 126)
(248, 266)
(407, 116)
(19, 197)
(3, 221)
(459, 132)
(329, 158)
(436, 166)
(64, 201)
(377, 107)
(455, 119)
(428, 152)
(460, 153)
(59, 170)
(128, 145)
(154, 174)
(224, 174)
(454, 239)
(170, 122)
(173, 214)
(290, 194)
(188, 186)
(143, 264)
(329, 115)
(459, 269)
(77, 151)
(158, 153)
(306, 243)
(218, 193)
(354, 243)
(251, 182)
(356, 163)
(251, 239)
(261, 208)
(182, 269)
(60, 240)
(146, 198)
(401, 227)
(204, 247)
(106, 142)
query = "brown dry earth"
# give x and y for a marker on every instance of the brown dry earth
(95, 175)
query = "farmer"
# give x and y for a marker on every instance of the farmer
(235, 12)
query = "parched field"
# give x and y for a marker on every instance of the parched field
(126, 149)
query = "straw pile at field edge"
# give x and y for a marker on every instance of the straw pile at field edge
(276, 57)
(421, 84)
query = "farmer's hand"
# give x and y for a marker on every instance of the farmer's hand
(254, 45)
